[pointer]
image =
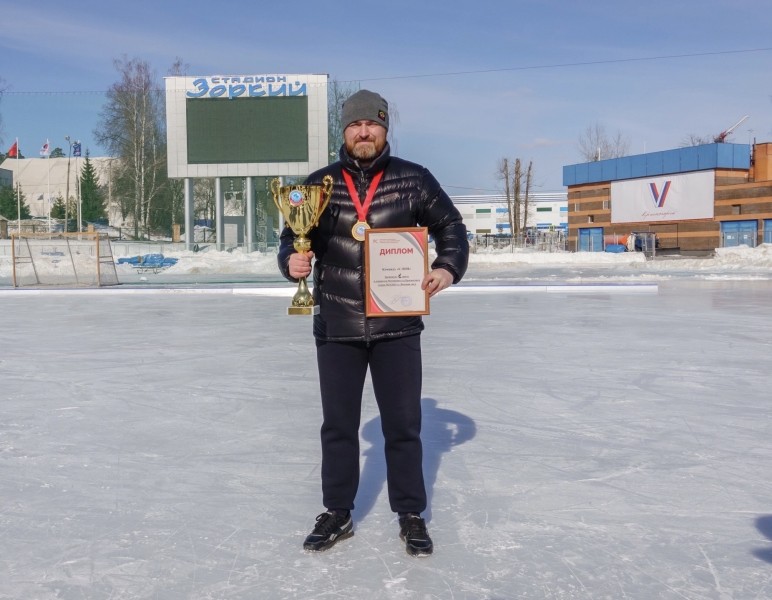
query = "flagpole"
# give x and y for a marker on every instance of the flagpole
(77, 183)
(67, 199)
(18, 190)
(48, 149)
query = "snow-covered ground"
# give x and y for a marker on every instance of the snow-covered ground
(506, 266)
(581, 440)
(501, 266)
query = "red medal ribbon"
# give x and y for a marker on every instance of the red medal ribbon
(352, 191)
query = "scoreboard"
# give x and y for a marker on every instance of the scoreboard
(246, 125)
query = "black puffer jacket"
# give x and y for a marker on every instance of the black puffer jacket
(407, 196)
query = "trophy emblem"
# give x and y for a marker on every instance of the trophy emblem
(301, 206)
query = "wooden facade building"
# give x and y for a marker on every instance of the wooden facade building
(693, 199)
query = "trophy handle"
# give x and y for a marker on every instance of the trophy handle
(326, 195)
(275, 185)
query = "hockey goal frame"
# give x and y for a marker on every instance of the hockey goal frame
(83, 259)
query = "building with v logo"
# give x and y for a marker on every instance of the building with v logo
(693, 199)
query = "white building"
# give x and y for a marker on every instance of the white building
(489, 214)
(6, 177)
(43, 180)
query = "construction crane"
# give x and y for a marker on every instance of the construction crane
(721, 137)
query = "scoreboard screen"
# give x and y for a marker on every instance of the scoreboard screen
(247, 130)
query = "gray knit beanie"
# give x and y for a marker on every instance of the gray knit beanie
(365, 105)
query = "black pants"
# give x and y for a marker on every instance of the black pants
(395, 370)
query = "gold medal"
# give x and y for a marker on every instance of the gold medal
(358, 230)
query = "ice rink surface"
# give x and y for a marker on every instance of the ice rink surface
(607, 442)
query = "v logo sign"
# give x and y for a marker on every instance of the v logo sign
(659, 197)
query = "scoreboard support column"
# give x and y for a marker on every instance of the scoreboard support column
(249, 237)
(189, 213)
(219, 211)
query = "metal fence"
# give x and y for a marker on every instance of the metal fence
(541, 241)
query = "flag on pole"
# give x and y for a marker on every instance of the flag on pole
(76, 149)
(13, 152)
(46, 149)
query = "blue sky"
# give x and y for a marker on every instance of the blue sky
(472, 82)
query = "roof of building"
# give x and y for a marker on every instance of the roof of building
(680, 160)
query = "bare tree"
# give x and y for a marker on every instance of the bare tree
(516, 192)
(505, 175)
(696, 140)
(337, 94)
(527, 193)
(131, 127)
(392, 134)
(179, 68)
(596, 144)
(514, 202)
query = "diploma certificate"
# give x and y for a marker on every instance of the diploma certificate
(396, 261)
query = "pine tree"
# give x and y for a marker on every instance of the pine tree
(58, 209)
(91, 196)
(8, 204)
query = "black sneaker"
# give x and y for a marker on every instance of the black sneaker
(330, 527)
(412, 530)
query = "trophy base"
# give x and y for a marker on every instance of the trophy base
(303, 310)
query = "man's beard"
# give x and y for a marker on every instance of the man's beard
(365, 150)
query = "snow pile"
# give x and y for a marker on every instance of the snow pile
(743, 256)
(728, 263)
(739, 261)
(214, 262)
(533, 257)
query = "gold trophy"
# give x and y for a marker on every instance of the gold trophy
(302, 205)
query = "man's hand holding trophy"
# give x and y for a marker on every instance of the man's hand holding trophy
(302, 206)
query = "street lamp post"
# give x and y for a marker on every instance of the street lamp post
(77, 184)
(67, 192)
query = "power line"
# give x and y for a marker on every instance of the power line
(462, 187)
(53, 92)
(572, 64)
(478, 71)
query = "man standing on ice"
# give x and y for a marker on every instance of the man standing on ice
(371, 188)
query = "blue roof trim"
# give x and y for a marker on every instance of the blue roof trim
(680, 160)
